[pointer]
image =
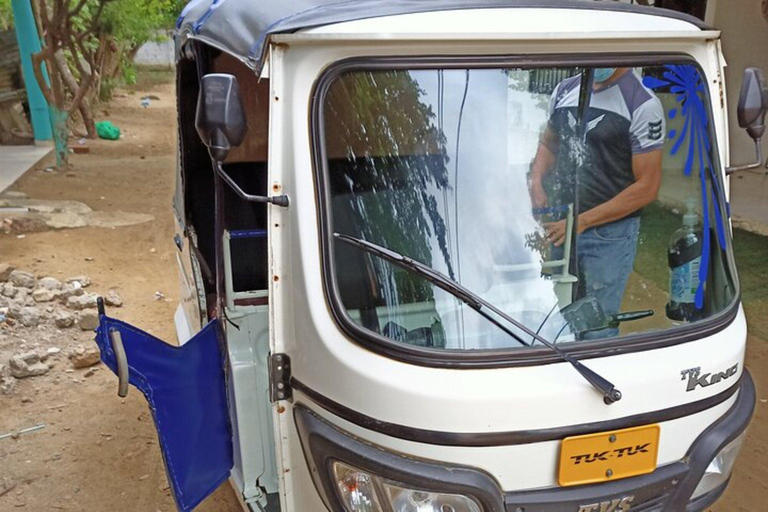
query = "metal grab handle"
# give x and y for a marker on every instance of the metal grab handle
(116, 340)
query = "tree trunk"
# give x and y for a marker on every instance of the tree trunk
(90, 124)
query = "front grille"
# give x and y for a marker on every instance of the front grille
(653, 505)
(649, 493)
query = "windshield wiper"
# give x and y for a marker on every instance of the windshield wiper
(610, 393)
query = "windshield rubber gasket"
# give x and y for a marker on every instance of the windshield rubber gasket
(508, 357)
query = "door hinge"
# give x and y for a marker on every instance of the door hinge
(280, 378)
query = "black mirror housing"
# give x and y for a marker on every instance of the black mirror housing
(220, 119)
(753, 102)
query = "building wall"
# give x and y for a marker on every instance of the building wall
(745, 44)
(156, 53)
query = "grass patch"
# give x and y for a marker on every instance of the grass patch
(656, 227)
(149, 77)
(136, 79)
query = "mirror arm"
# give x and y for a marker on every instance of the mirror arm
(276, 200)
(758, 162)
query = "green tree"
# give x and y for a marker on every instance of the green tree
(6, 15)
(86, 42)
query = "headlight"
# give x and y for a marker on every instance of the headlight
(719, 469)
(363, 492)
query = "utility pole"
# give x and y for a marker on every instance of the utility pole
(29, 43)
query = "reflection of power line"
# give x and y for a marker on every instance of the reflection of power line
(456, 191)
(443, 139)
(456, 174)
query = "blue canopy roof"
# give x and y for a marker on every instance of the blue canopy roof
(242, 27)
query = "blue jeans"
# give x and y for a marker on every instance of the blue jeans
(606, 256)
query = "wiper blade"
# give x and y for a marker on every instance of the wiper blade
(610, 393)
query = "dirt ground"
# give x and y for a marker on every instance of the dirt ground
(98, 451)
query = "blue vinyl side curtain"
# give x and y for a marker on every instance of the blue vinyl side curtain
(185, 388)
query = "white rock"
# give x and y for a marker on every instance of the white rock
(7, 385)
(78, 302)
(43, 295)
(8, 290)
(22, 279)
(30, 357)
(83, 280)
(14, 310)
(21, 295)
(68, 290)
(29, 316)
(27, 365)
(63, 318)
(5, 271)
(113, 299)
(53, 351)
(83, 357)
(89, 319)
(49, 283)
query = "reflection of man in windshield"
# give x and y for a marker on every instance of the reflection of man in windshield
(619, 174)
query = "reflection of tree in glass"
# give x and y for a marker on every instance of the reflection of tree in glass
(386, 160)
(525, 80)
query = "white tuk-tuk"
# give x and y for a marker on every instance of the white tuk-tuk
(444, 256)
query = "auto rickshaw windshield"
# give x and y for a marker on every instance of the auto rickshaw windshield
(585, 202)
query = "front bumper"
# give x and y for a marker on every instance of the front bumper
(668, 488)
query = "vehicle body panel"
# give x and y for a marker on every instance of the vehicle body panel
(507, 421)
(480, 401)
(568, 396)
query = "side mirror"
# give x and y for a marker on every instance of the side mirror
(753, 105)
(220, 120)
(753, 102)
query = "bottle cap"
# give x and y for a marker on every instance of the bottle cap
(691, 218)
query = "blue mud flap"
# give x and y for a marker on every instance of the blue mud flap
(185, 388)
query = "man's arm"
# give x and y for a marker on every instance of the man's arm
(542, 162)
(646, 168)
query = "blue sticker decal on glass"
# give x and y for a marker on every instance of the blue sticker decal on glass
(687, 86)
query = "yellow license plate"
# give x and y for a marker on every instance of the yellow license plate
(608, 455)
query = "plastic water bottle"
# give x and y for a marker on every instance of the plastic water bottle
(684, 256)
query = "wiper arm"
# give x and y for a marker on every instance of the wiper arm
(610, 393)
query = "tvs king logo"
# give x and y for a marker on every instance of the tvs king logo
(615, 505)
(696, 379)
